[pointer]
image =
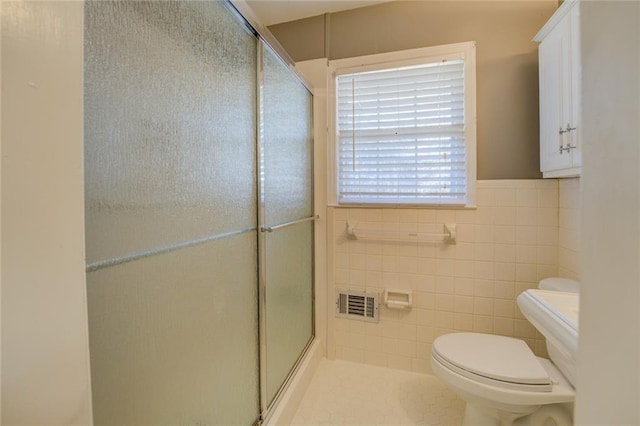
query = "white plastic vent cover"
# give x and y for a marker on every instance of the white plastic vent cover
(357, 305)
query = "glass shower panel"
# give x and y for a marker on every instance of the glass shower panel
(170, 99)
(289, 261)
(287, 159)
(174, 337)
(287, 143)
(170, 206)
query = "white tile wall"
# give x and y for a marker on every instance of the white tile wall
(569, 228)
(504, 247)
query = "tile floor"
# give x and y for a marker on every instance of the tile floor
(346, 393)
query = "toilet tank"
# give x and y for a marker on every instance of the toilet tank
(560, 284)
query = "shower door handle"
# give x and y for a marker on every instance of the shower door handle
(286, 224)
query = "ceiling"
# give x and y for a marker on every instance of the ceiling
(271, 12)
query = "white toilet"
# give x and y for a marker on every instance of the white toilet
(501, 380)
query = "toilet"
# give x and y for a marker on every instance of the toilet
(501, 380)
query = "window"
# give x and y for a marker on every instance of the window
(405, 127)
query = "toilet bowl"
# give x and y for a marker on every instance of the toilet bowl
(499, 377)
(501, 380)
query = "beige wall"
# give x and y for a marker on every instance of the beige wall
(608, 382)
(304, 39)
(45, 348)
(507, 66)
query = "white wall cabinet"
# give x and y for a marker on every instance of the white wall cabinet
(560, 73)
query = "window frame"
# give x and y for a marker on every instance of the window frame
(398, 59)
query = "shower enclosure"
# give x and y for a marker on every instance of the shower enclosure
(199, 214)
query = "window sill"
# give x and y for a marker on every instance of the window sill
(404, 206)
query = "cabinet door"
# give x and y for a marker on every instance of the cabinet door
(554, 62)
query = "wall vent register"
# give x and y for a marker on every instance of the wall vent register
(357, 305)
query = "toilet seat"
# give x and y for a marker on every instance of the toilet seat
(498, 361)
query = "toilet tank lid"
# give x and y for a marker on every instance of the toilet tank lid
(560, 284)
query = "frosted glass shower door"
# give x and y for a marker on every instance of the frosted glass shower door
(170, 199)
(286, 213)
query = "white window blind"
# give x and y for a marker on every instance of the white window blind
(401, 135)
